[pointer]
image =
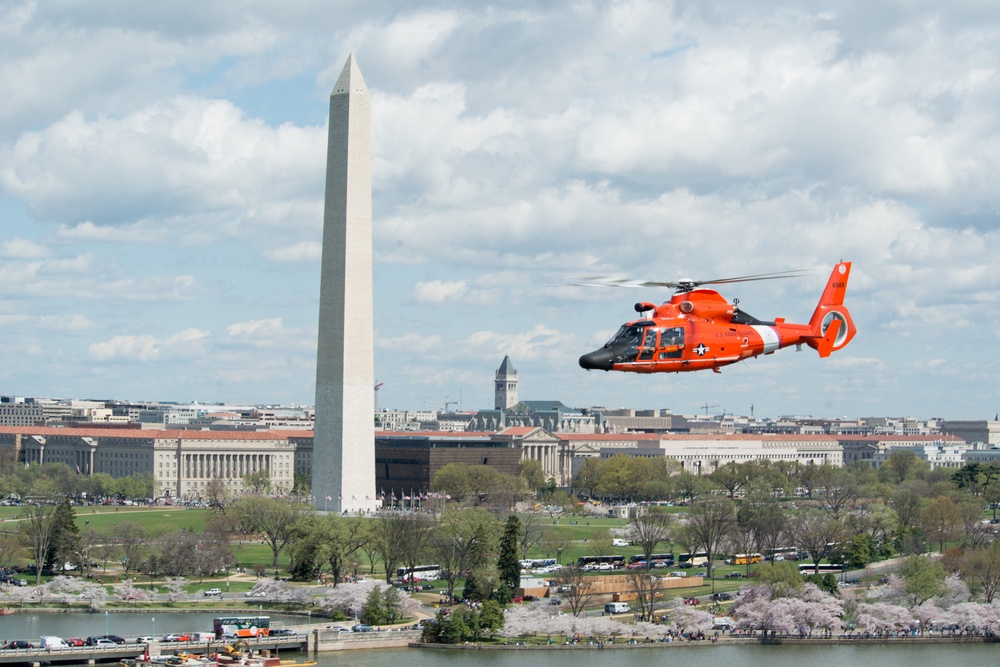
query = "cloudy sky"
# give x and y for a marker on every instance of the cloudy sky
(162, 170)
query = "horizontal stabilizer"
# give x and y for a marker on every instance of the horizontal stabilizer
(825, 346)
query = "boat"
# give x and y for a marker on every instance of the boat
(179, 660)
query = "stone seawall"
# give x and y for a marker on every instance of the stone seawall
(332, 640)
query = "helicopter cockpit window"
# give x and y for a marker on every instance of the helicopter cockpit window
(627, 341)
(671, 343)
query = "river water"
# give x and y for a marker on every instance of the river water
(702, 655)
(32, 626)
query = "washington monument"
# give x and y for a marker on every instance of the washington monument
(343, 464)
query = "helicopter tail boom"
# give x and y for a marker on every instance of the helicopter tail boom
(831, 324)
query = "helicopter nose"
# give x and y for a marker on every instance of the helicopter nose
(598, 360)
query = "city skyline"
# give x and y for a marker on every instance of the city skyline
(161, 196)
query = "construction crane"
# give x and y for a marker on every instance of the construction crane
(446, 402)
(378, 385)
(706, 406)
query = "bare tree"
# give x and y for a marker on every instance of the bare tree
(649, 528)
(129, 539)
(577, 588)
(648, 591)
(817, 532)
(555, 542)
(36, 534)
(531, 533)
(712, 521)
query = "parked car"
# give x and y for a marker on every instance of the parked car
(720, 597)
(734, 575)
(213, 591)
(361, 627)
(692, 601)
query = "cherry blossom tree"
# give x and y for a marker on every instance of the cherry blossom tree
(883, 617)
(176, 587)
(126, 590)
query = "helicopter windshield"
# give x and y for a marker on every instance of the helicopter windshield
(626, 343)
(629, 334)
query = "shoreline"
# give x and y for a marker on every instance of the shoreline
(707, 643)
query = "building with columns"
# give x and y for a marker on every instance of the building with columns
(182, 463)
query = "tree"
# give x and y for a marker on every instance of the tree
(218, 494)
(901, 464)
(731, 477)
(531, 533)
(65, 539)
(490, 617)
(860, 551)
(130, 540)
(712, 521)
(981, 569)
(818, 533)
(942, 520)
(390, 541)
(273, 519)
(554, 542)
(382, 606)
(36, 534)
(508, 565)
(463, 540)
(649, 528)
(532, 473)
(647, 590)
(923, 579)
(258, 482)
(576, 587)
(340, 539)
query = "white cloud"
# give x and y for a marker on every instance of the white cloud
(438, 291)
(256, 328)
(72, 323)
(184, 344)
(409, 343)
(18, 248)
(305, 251)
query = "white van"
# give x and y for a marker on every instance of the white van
(617, 608)
(619, 542)
(51, 643)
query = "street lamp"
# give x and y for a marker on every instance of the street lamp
(154, 627)
(106, 631)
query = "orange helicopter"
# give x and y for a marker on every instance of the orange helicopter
(699, 329)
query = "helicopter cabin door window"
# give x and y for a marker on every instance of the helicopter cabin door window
(671, 343)
(648, 344)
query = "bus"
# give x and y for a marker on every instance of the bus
(656, 560)
(809, 568)
(242, 626)
(418, 573)
(594, 562)
(696, 559)
(747, 559)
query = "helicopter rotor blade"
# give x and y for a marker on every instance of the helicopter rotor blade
(606, 281)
